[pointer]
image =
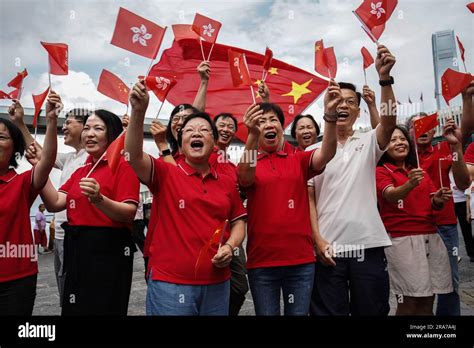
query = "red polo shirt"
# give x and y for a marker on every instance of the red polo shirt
(189, 210)
(222, 164)
(414, 214)
(121, 186)
(279, 228)
(469, 154)
(430, 161)
(17, 251)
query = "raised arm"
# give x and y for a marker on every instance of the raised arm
(329, 146)
(388, 104)
(204, 70)
(247, 167)
(139, 161)
(50, 146)
(369, 97)
(453, 136)
(17, 115)
(467, 120)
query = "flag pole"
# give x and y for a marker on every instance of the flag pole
(159, 110)
(210, 52)
(367, 30)
(440, 174)
(464, 63)
(49, 77)
(202, 49)
(253, 94)
(149, 68)
(416, 146)
(101, 157)
(365, 77)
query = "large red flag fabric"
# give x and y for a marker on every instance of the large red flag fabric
(137, 34)
(111, 86)
(470, 6)
(367, 57)
(38, 100)
(184, 31)
(114, 152)
(325, 62)
(290, 87)
(206, 28)
(454, 82)
(160, 85)
(58, 57)
(239, 70)
(461, 48)
(425, 124)
(17, 81)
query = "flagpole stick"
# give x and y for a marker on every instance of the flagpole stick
(149, 68)
(210, 52)
(202, 50)
(440, 174)
(416, 147)
(367, 30)
(365, 78)
(36, 132)
(159, 110)
(464, 63)
(253, 94)
(49, 77)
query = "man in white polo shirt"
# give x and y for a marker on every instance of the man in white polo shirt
(351, 275)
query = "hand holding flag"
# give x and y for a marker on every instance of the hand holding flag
(384, 62)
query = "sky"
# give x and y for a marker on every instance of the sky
(289, 28)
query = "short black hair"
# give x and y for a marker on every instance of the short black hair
(112, 122)
(202, 115)
(225, 115)
(352, 87)
(410, 160)
(299, 117)
(19, 144)
(408, 122)
(80, 114)
(169, 134)
(268, 107)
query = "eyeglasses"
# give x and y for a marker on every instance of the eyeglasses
(176, 119)
(190, 130)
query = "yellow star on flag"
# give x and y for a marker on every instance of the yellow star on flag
(297, 90)
(257, 82)
(273, 71)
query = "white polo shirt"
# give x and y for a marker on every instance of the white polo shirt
(68, 163)
(346, 195)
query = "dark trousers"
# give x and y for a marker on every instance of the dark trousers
(17, 297)
(465, 227)
(238, 282)
(138, 233)
(355, 286)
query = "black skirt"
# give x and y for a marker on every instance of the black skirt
(98, 266)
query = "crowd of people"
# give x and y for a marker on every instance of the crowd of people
(330, 226)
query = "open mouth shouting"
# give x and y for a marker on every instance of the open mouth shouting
(342, 115)
(197, 144)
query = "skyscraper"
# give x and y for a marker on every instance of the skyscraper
(444, 56)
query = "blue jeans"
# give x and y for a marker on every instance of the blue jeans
(296, 282)
(164, 298)
(449, 304)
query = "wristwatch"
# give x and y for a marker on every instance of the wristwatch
(388, 82)
(166, 152)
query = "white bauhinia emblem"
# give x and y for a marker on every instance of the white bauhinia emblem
(208, 30)
(162, 83)
(377, 9)
(140, 35)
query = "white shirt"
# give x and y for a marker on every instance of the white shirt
(458, 196)
(68, 163)
(346, 197)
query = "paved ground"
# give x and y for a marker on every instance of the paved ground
(47, 298)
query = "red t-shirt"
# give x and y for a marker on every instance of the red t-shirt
(279, 229)
(121, 186)
(18, 254)
(412, 215)
(431, 160)
(469, 154)
(189, 209)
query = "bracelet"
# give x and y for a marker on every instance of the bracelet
(231, 247)
(330, 118)
(166, 152)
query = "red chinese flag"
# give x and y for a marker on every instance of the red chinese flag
(4, 95)
(367, 57)
(470, 6)
(267, 61)
(206, 28)
(38, 100)
(461, 48)
(325, 62)
(12, 95)
(454, 82)
(137, 34)
(331, 61)
(374, 13)
(58, 57)
(425, 124)
(17, 81)
(115, 151)
(111, 86)
(184, 31)
(159, 85)
(239, 69)
(293, 89)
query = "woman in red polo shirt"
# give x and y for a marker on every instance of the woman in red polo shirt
(101, 205)
(191, 247)
(18, 271)
(280, 255)
(418, 263)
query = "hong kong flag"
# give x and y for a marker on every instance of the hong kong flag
(206, 28)
(425, 124)
(184, 31)
(137, 34)
(374, 14)
(367, 57)
(239, 69)
(159, 85)
(38, 100)
(454, 82)
(17, 81)
(111, 86)
(58, 58)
